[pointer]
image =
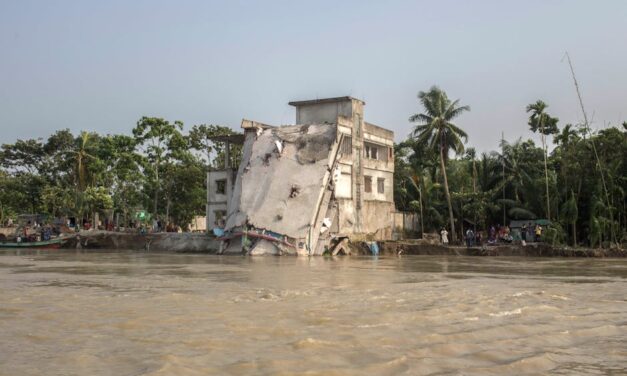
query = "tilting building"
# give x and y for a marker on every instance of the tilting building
(303, 188)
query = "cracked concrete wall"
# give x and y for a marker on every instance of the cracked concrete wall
(265, 195)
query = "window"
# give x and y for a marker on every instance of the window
(347, 145)
(367, 184)
(221, 186)
(391, 152)
(380, 185)
(372, 152)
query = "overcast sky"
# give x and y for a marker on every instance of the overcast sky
(101, 65)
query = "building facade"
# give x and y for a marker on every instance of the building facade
(328, 177)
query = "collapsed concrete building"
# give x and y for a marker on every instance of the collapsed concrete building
(303, 188)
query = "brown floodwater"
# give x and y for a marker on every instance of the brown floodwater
(129, 313)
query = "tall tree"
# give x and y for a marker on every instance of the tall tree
(82, 155)
(155, 134)
(542, 122)
(201, 139)
(435, 129)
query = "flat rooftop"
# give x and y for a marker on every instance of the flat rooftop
(324, 100)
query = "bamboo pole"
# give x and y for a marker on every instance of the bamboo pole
(596, 155)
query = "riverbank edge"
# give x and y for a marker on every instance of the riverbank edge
(515, 250)
(201, 243)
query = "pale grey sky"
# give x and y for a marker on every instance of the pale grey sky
(101, 65)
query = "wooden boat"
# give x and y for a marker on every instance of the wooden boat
(50, 244)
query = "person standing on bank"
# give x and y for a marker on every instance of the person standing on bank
(538, 233)
(469, 238)
(444, 235)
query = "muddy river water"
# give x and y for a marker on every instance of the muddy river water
(128, 313)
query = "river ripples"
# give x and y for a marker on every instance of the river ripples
(119, 313)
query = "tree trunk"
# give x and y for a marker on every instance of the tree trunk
(474, 192)
(422, 226)
(574, 233)
(156, 187)
(546, 176)
(448, 195)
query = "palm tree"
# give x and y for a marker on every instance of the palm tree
(514, 164)
(540, 121)
(435, 129)
(82, 156)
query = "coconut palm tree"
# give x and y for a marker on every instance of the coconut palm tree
(540, 121)
(81, 156)
(435, 129)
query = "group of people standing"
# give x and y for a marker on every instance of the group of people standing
(528, 232)
(531, 233)
(470, 237)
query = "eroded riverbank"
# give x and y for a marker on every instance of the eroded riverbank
(201, 243)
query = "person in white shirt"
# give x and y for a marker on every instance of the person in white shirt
(444, 235)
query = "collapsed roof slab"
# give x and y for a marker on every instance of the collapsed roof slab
(281, 185)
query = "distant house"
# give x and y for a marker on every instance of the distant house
(299, 188)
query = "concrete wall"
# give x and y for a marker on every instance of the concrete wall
(320, 113)
(388, 189)
(346, 216)
(406, 221)
(212, 195)
(218, 201)
(378, 134)
(378, 219)
(359, 211)
(343, 188)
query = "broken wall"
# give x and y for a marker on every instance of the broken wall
(279, 191)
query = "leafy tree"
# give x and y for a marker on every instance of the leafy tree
(201, 139)
(97, 199)
(123, 171)
(154, 134)
(58, 201)
(59, 152)
(569, 215)
(435, 129)
(23, 156)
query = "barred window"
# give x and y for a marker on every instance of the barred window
(380, 185)
(347, 146)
